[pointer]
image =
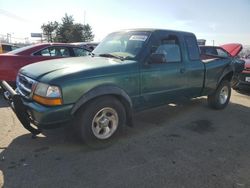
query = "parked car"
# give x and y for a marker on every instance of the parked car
(128, 71)
(243, 79)
(233, 48)
(208, 52)
(12, 61)
(4, 47)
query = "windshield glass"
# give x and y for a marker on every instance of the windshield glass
(126, 45)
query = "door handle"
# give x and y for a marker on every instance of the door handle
(182, 70)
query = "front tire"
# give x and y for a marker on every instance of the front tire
(100, 120)
(220, 98)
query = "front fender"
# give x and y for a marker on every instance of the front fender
(100, 91)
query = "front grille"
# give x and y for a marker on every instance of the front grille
(24, 85)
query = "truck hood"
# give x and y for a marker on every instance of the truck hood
(49, 70)
(233, 48)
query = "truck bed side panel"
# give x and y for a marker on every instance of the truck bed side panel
(214, 69)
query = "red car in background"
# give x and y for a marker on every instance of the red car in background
(243, 79)
(12, 61)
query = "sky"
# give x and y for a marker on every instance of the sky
(218, 21)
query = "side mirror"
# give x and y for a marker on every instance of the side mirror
(157, 58)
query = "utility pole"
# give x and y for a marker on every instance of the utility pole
(213, 42)
(84, 17)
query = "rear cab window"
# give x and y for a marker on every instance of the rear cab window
(192, 47)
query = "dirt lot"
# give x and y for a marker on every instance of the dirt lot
(183, 146)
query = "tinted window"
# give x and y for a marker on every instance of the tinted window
(170, 51)
(192, 46)
(170, 48)
(214, 51)
(221, 53)
(54, 51)
(209, 51)
(44, 52)
(80, 52)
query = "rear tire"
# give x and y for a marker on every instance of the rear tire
(101, 120)
(220, 98)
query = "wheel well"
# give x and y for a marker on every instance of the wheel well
(228, 76)
(120, 98)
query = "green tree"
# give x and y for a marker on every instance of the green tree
(49, 30)
(87, 33)
(64, 31)
(67, 31)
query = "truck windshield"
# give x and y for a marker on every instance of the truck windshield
(122, 45)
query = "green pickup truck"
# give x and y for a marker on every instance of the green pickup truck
(129, 71)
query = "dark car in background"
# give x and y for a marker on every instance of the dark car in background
(5, 47)
(12, 61)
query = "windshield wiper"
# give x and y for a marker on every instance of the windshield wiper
(112, 56)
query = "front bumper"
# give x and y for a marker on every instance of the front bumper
(33, 116)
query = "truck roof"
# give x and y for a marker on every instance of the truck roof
(155, 29)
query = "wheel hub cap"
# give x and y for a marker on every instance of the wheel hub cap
(105, 123)
(224, 95)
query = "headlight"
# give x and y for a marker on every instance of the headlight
(47, 95)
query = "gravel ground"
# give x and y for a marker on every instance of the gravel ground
(183, 146)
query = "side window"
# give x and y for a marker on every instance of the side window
(54, 52)
(80, 52)
(64, 52)
(221, 53)
(192, 46)
(170, 49)
(211, 51)
(44, 52)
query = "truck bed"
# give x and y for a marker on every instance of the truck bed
(214, 68)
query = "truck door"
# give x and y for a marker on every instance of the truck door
(162, 78)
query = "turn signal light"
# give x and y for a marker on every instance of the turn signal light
(47, 101)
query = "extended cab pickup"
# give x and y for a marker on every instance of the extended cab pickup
(129, 71)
